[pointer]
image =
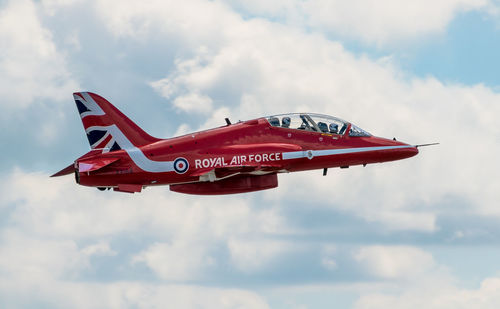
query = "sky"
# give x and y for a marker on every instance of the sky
(418, 233)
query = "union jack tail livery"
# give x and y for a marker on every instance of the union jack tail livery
(106, 127)
(236, 158)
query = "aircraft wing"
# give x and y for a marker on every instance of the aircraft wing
(218, 173)
(233, 183)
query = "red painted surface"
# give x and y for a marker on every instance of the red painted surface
(91, 165)
(236, 158)
(235, 184)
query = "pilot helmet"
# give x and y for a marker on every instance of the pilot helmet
(274, 121)
(322, 126)
(333, 128)
(285, 122)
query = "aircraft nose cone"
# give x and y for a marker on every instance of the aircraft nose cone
(408, 152)
(413, 151)
(402, 151)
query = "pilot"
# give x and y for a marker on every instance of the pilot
(333, 128)
(322, 126)
(274, 121)
(285, 122)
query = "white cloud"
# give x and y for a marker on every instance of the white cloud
(487, 296)
(100, 248)
(122, 294)
(187, 229)
(388, 21)
(276, 9)
(179, 261)
(31, 67)
(253, 255)
(494, 11)
(55, 229)
(183, 129)
(384, 23)
(204, 21)
(401, 277)
(193, 102)
(395, 262)
(33, 259)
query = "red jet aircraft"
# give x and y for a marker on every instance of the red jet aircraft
(242, 157)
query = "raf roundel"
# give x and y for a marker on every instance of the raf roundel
(181, 165)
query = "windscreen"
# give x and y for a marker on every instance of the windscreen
(315, 123)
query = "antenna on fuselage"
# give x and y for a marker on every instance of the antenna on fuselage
(424, 145)
(228, 122)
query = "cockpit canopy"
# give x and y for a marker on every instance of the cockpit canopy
(315, 123)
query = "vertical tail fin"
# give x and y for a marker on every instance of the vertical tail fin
(106, 127)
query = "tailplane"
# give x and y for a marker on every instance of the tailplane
(106, 127)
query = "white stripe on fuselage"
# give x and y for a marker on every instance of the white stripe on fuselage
(330, 152)
(135, 153)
